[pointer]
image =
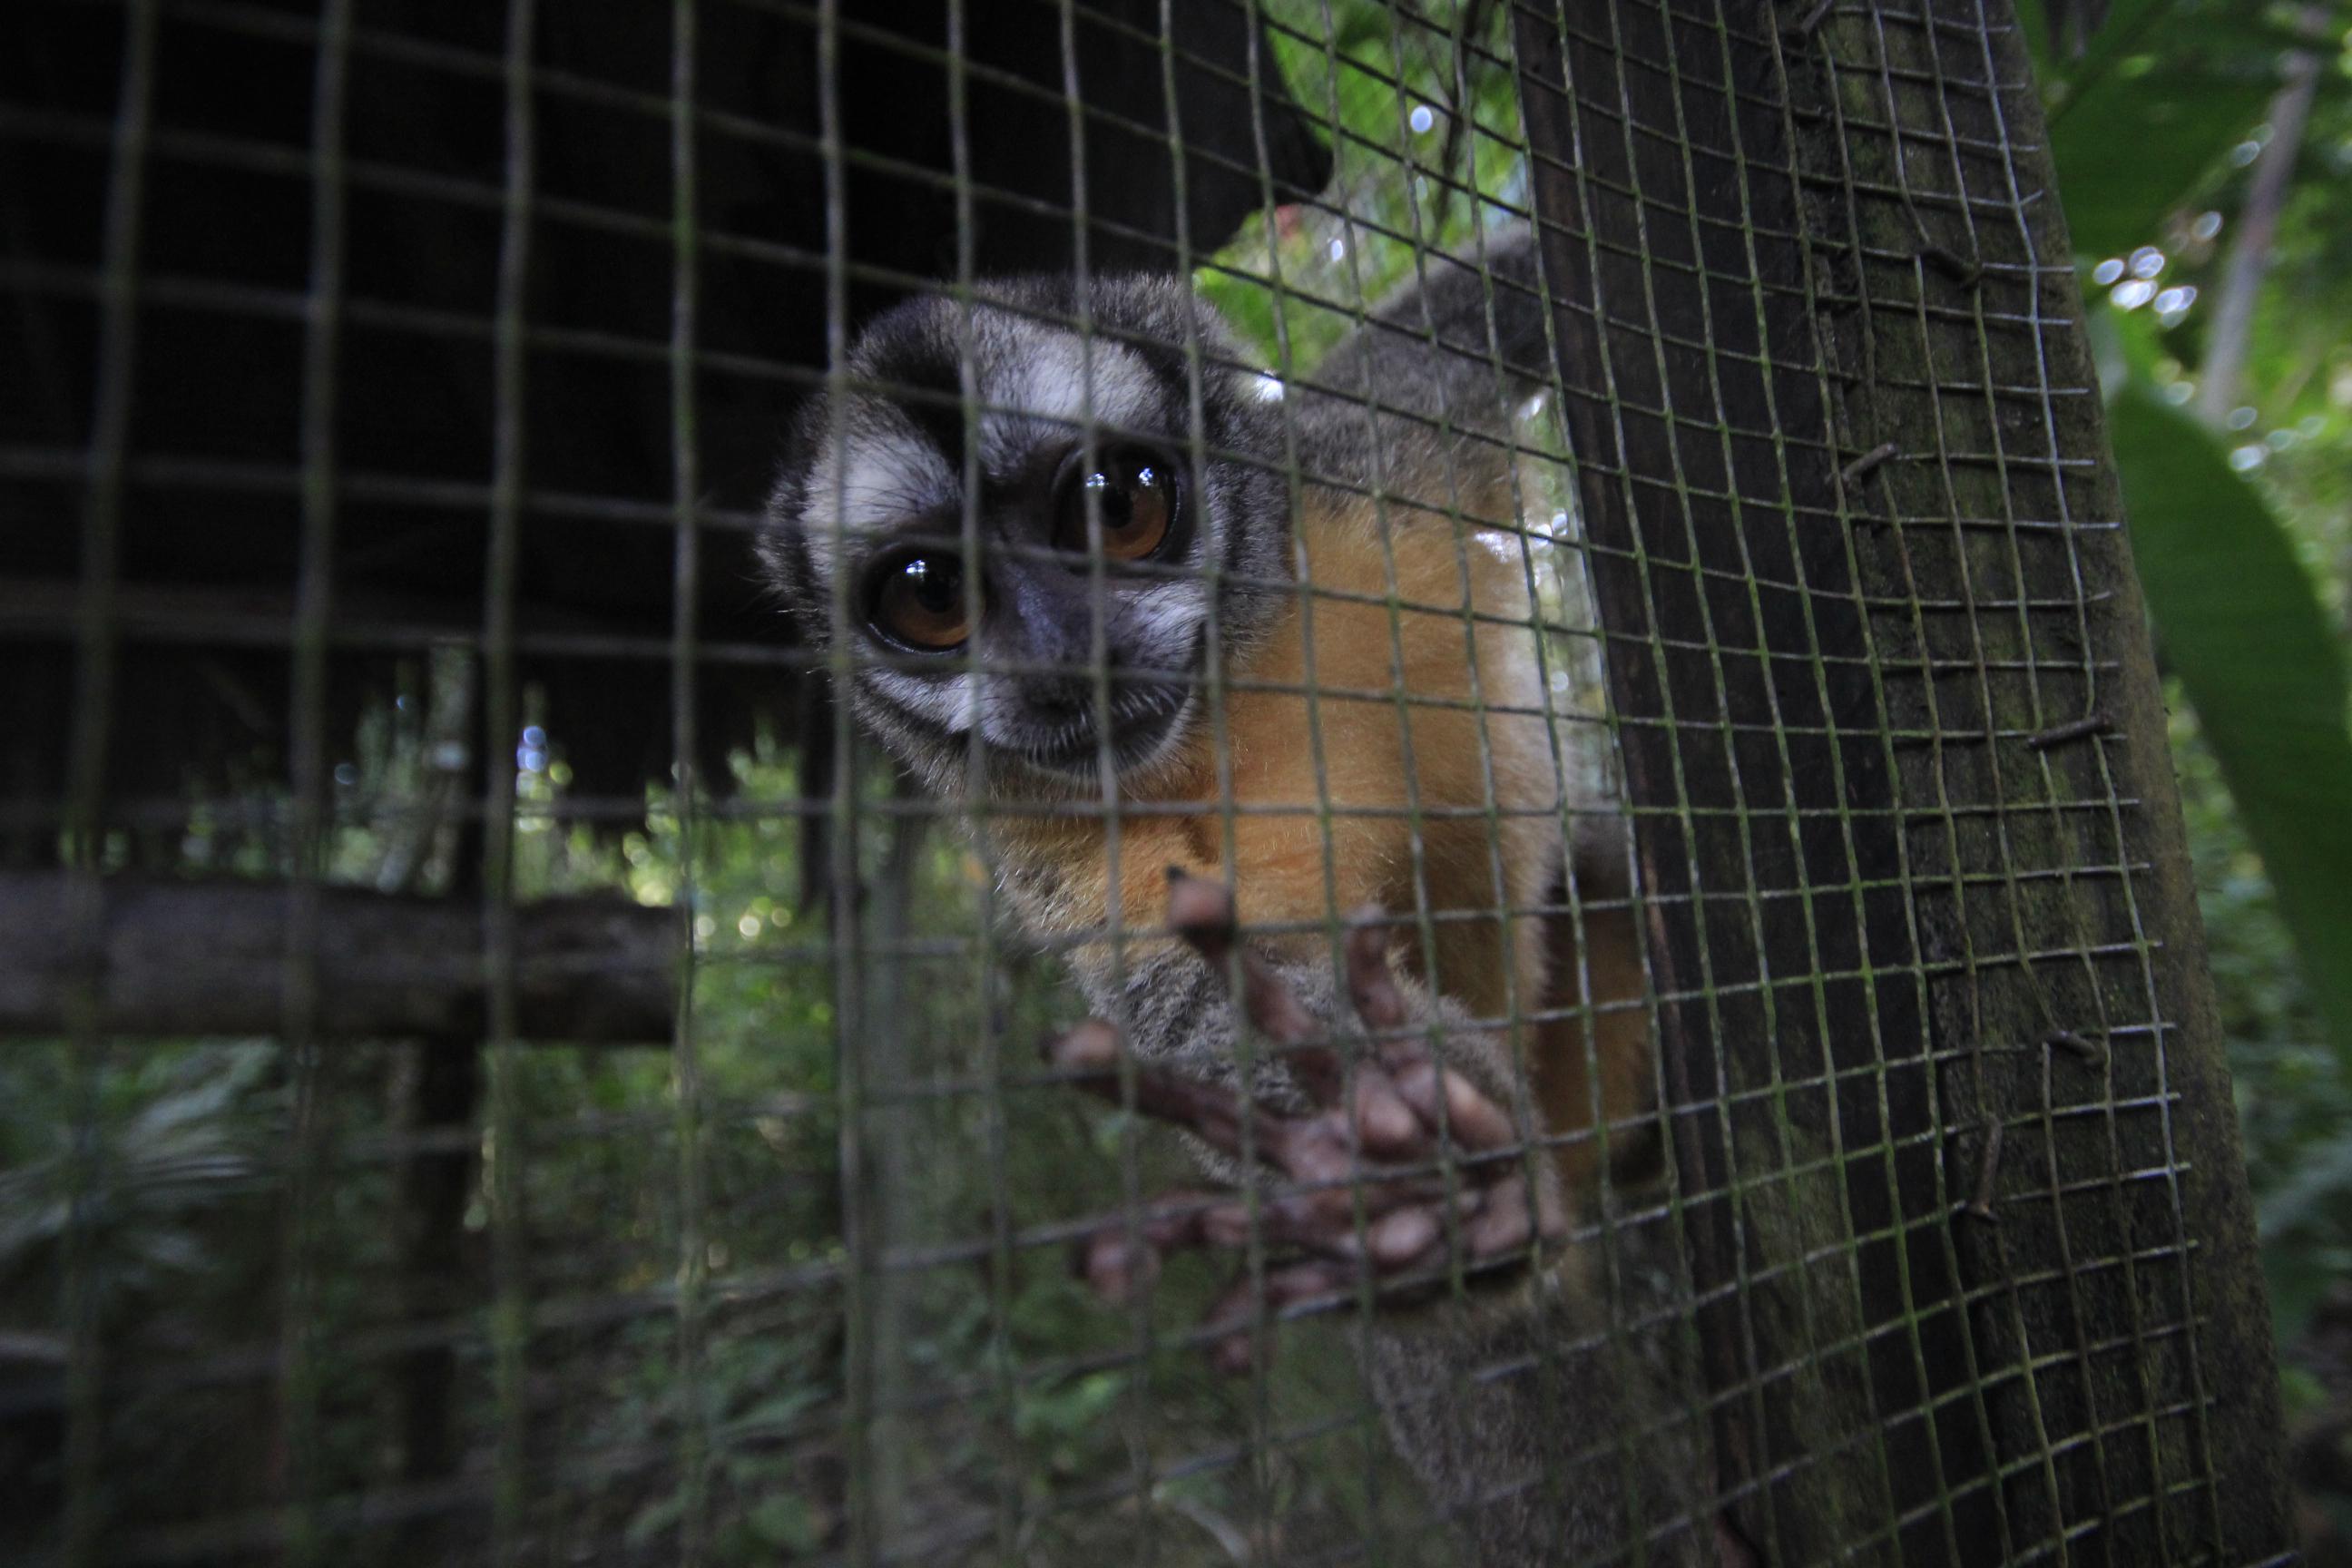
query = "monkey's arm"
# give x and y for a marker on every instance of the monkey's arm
(1545, 1435)
(1391, 1171)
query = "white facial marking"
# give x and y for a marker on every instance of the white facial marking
(1047, 381)
(882, 478)
(1167, 613)
(951, 703)
(1040, 388)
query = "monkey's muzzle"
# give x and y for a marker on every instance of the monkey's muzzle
(1061, 723)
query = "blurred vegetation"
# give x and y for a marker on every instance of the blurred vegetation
(2204, 153)
(144, 1193)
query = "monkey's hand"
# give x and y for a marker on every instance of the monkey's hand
(1400, 1173)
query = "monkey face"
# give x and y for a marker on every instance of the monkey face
(1012, 532)
(1072, 631)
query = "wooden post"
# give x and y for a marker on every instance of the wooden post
(1896, 758)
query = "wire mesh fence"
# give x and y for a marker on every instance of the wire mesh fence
(525, 937)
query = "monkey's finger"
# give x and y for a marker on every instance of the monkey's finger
(1310, 1149)
(1365, 1148)
(1320, 1281)
(1496, 1234)
(1398, 1238)
(1551, 1210)
(1415, 1234)
(1346, 1222)
(1215, 1114)
(1388, 1223)
(1124, 1256)
(1319, 1151)
(1504, 1224)
(1202, 913)
(1371, 985)
(1115, 1266)
(1474, 1122)
(1120, 1261)
(1386, 1123)
(1387, 1127)
(1123, 1259)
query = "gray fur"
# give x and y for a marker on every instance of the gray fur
(1543, 1437)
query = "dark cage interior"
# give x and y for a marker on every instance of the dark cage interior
(607, 612)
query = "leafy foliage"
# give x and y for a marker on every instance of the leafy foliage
(2255, 651)
(2189, 78)
(2242, 534)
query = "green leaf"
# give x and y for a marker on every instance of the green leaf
(785, 1521)
(2135, 147)
(2240, 623)
(2298, 1279)
(2324, 1177)
(2139, 124)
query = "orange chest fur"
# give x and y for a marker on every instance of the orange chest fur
(1381, 746)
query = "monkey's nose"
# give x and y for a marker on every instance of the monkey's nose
(1062, 699)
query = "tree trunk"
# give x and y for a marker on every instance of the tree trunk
(1954, 1143)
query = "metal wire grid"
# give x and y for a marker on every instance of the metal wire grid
(1912, 223)
(1931, 781)
(2038, 999)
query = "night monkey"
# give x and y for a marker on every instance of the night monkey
(1118, 557)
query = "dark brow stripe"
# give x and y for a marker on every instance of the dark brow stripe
(938, 418)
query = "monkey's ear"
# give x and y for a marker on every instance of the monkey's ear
(788, 569)
(787, 575)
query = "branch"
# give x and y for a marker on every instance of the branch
(211, 958)
(2250, 251)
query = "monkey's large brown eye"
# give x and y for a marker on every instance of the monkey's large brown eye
(918, 601)
(1135, 492)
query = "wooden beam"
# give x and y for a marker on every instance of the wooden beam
(211, 958)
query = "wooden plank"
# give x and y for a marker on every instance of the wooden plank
(180, 959)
